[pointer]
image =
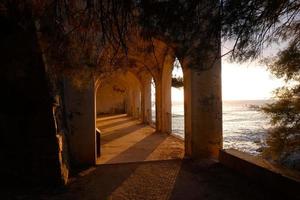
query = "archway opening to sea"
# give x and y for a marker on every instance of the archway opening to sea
(177, 100)
(153, 102)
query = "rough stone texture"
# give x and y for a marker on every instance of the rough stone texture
(29, 147)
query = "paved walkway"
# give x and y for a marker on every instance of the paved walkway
(137, 164)
(161, 180)
(125, 140)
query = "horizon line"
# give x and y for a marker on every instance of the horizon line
(270, 99)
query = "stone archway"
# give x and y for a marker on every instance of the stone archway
(202, 102)
(202, 90)
(150, 54)
(177, 100)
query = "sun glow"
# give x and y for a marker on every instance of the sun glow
(241, 82)
(247, 82)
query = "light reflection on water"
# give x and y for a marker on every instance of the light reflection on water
(243, 128)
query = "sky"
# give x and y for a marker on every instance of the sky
(249, 81)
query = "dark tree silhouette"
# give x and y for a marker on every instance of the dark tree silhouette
(284, 138)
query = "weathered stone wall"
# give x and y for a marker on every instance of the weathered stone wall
(119, 93)
(111, 97)
(30, 148)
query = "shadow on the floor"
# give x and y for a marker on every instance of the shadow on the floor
(109, 125)
(161, 180)
(214, 181)
(140, 150)
(104, 118)
(110, 136)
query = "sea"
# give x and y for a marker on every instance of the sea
(244, 127)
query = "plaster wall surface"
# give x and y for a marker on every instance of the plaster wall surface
(119, 93)
(110, 97)
(133, 96)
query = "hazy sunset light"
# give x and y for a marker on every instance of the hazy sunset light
(247, 82)
(241, 82)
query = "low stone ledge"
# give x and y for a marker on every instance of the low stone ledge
(274, 176)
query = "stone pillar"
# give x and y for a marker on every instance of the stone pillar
(163, 97)
(166, 99)
(146, 100)
(137, 103)
(203, 111)
(163, 105)
(133, 96)
(80, 109)
(133, 102)
(158, 105)
(129, 102)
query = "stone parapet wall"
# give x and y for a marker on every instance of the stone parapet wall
(273, 176)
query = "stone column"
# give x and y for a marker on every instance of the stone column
(166, 99)
(163, 105)
(80, 108)
(146, 100)
(203, 110)
(129, 102)
(158, 105)
(137, 103)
